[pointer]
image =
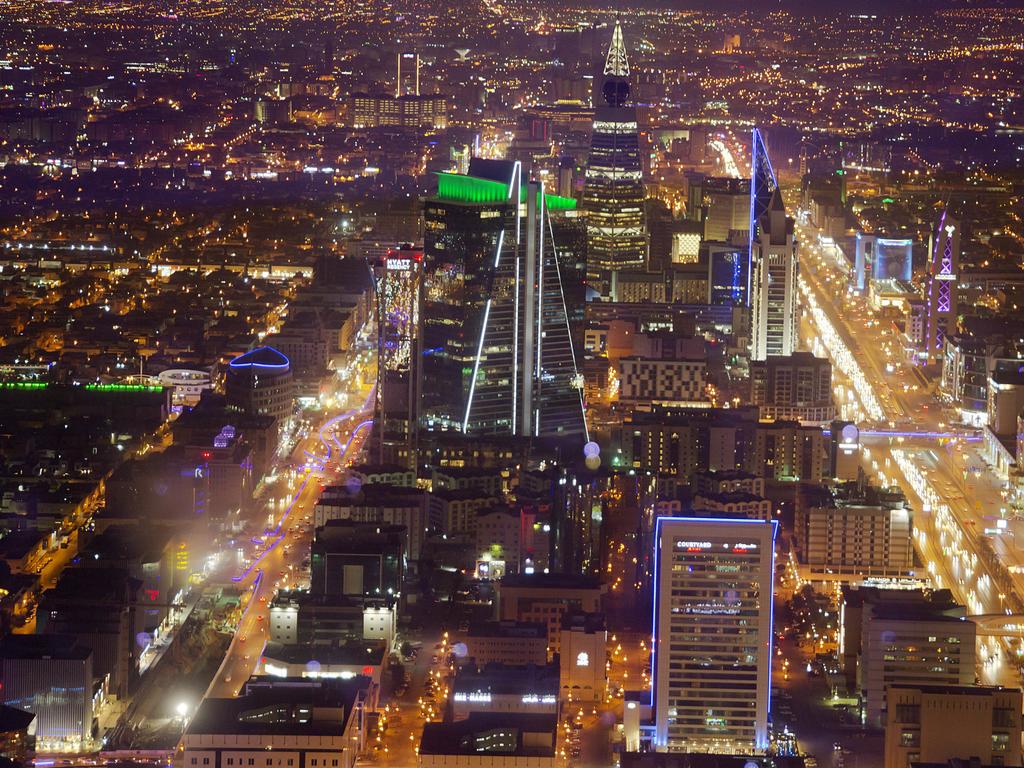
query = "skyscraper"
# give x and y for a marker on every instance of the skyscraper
(408, 81)
(613, 197)
(763, 183)
(711, 668)
(942, 289)
(399, 355)
(773, 252)
(496, 316)
(524, 379)
(460, 236)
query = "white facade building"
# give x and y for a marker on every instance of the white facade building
(713, 634)
(774, 289)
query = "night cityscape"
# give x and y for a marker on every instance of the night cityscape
(511, 384)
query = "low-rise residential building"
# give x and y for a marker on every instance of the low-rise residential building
(491, 740)
(546, 597)
(942, 723)
(857, 530)
(509, 688)
(277, 723)
(507, 642)
(733, 504)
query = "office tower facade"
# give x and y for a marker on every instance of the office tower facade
(428, 112)
(774, 288)
(725, 206)
(728, 275)
(524, 380)
(259, 383)
(461, 228)
(941, 290)
(408, 80)
(497, 318)
(613, 196)
(763, 184)
(711, 667)
(399, 355)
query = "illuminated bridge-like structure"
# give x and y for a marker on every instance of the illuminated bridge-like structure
(999, 624)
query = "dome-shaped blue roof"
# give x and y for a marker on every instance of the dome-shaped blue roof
(261, 357)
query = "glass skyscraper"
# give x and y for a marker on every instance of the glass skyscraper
(613, 197)
(501, 328)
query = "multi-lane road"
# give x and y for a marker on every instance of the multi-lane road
(955, 494)
(277, 561)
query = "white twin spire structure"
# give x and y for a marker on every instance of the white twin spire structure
(615, 62)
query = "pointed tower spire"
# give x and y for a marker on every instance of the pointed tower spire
(615, 63)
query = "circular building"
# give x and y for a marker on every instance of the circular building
(187, 385)
(259, 383)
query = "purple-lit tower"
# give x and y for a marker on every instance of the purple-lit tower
(941, 291)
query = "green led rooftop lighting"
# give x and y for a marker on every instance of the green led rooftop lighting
(122, 388)
(473, 189)
(23, 385)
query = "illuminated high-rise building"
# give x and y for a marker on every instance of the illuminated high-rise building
(524, 379)
(408, 81)
(613, 197)
(774, 288)
(498, 356)
(399, 355)
(763, 183)
(941, 290)
(711, 666)
(773, 260)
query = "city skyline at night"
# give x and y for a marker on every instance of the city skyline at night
(500, 384)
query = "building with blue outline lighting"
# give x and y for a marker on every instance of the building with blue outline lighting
(711, 666)
(259, 383)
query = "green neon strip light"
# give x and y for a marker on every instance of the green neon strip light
(122, 388)
(472, 189)
(37, 385)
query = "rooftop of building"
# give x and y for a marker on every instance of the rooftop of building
(727, 497)
(464, 737)
(954, 690)
(281, 706)
(379, 469)
(515, 629)
(353, 536)
(267, 359)
(370, 493)
(582, 621)
(460, 494)
(466, 473)
(17, 544)
(722, 475)
(43, 647)
(550, 581)
(706, 760)
(13, 719)
(508, 679)
(350, 653)
(145, 543)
